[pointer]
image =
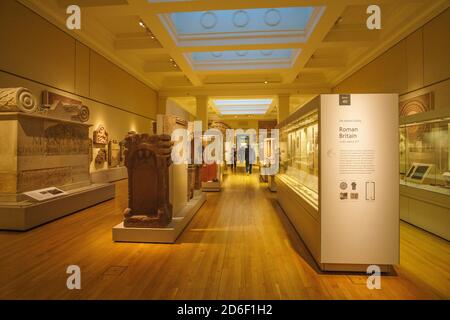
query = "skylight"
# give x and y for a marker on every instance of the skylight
(242, 55)
(238, 20)
(243, 106)
(244, 26)
(243, 59)
(243, 102)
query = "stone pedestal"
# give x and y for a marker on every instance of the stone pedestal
(38, 152)
(167, 234)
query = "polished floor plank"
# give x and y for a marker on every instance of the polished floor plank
(240, 245)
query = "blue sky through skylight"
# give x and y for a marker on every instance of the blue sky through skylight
(243, 106)
(242, 55)
(223, 21)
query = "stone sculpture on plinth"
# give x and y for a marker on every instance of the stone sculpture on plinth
(148, 158)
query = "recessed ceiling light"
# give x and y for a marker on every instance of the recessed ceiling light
(242, 106)
(142, 24)
(266, 82)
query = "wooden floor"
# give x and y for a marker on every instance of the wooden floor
(240, 245)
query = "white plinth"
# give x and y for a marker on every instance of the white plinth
(25, 215)
(211, 186)
(160, 235)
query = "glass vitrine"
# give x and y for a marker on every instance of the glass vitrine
(424, 160)
(299, 148)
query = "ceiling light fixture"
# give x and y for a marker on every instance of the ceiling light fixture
(174, 64)
(147, 30)
(266, 82)
(338, 21)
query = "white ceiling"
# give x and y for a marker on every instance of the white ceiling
(334, 44)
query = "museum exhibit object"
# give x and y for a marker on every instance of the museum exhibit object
(211, 173)
(269, 160)
(101, 157)
(147, 159)
(17, 100)
(113, 154)
(40, 152)
(62, 107)
(100, 135)
(194, 170)
(161, 198)
(268, 152)
(424, 165)
(337, 179)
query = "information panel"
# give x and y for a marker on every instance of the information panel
(359, 179)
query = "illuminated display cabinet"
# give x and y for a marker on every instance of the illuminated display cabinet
(424, 161)
(338, 179)
(425, 173)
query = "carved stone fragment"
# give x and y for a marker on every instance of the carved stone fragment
(113, 154)
(100, 135)
(17, 100)
(38, 152)
(101, 157)
(147, 159)
(62, 107)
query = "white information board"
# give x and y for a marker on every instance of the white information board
(359, 174)
(45, 194)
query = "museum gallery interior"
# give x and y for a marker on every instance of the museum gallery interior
(239, 149)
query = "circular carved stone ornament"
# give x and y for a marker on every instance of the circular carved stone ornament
(84, 114)
(241, 19)
(217, 54)
(266, 52)
(208, 20)
(242, 53)
(272, 17)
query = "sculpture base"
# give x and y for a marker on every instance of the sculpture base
(272, 184)
(25, 215)
(109, 175)
(211, 186)
(167, 234)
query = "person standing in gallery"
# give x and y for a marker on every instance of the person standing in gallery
(249, 159)
(234, 165)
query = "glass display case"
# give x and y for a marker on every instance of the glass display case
(299, 144)
(424, 159)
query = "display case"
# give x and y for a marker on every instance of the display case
(300, 166)
(268, 160)
(424, 160)
(424, 171)
(338, 179)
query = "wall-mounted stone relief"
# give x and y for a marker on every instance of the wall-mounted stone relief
(62, 107)
(113, 154)
(101, 157)
(100, 135)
